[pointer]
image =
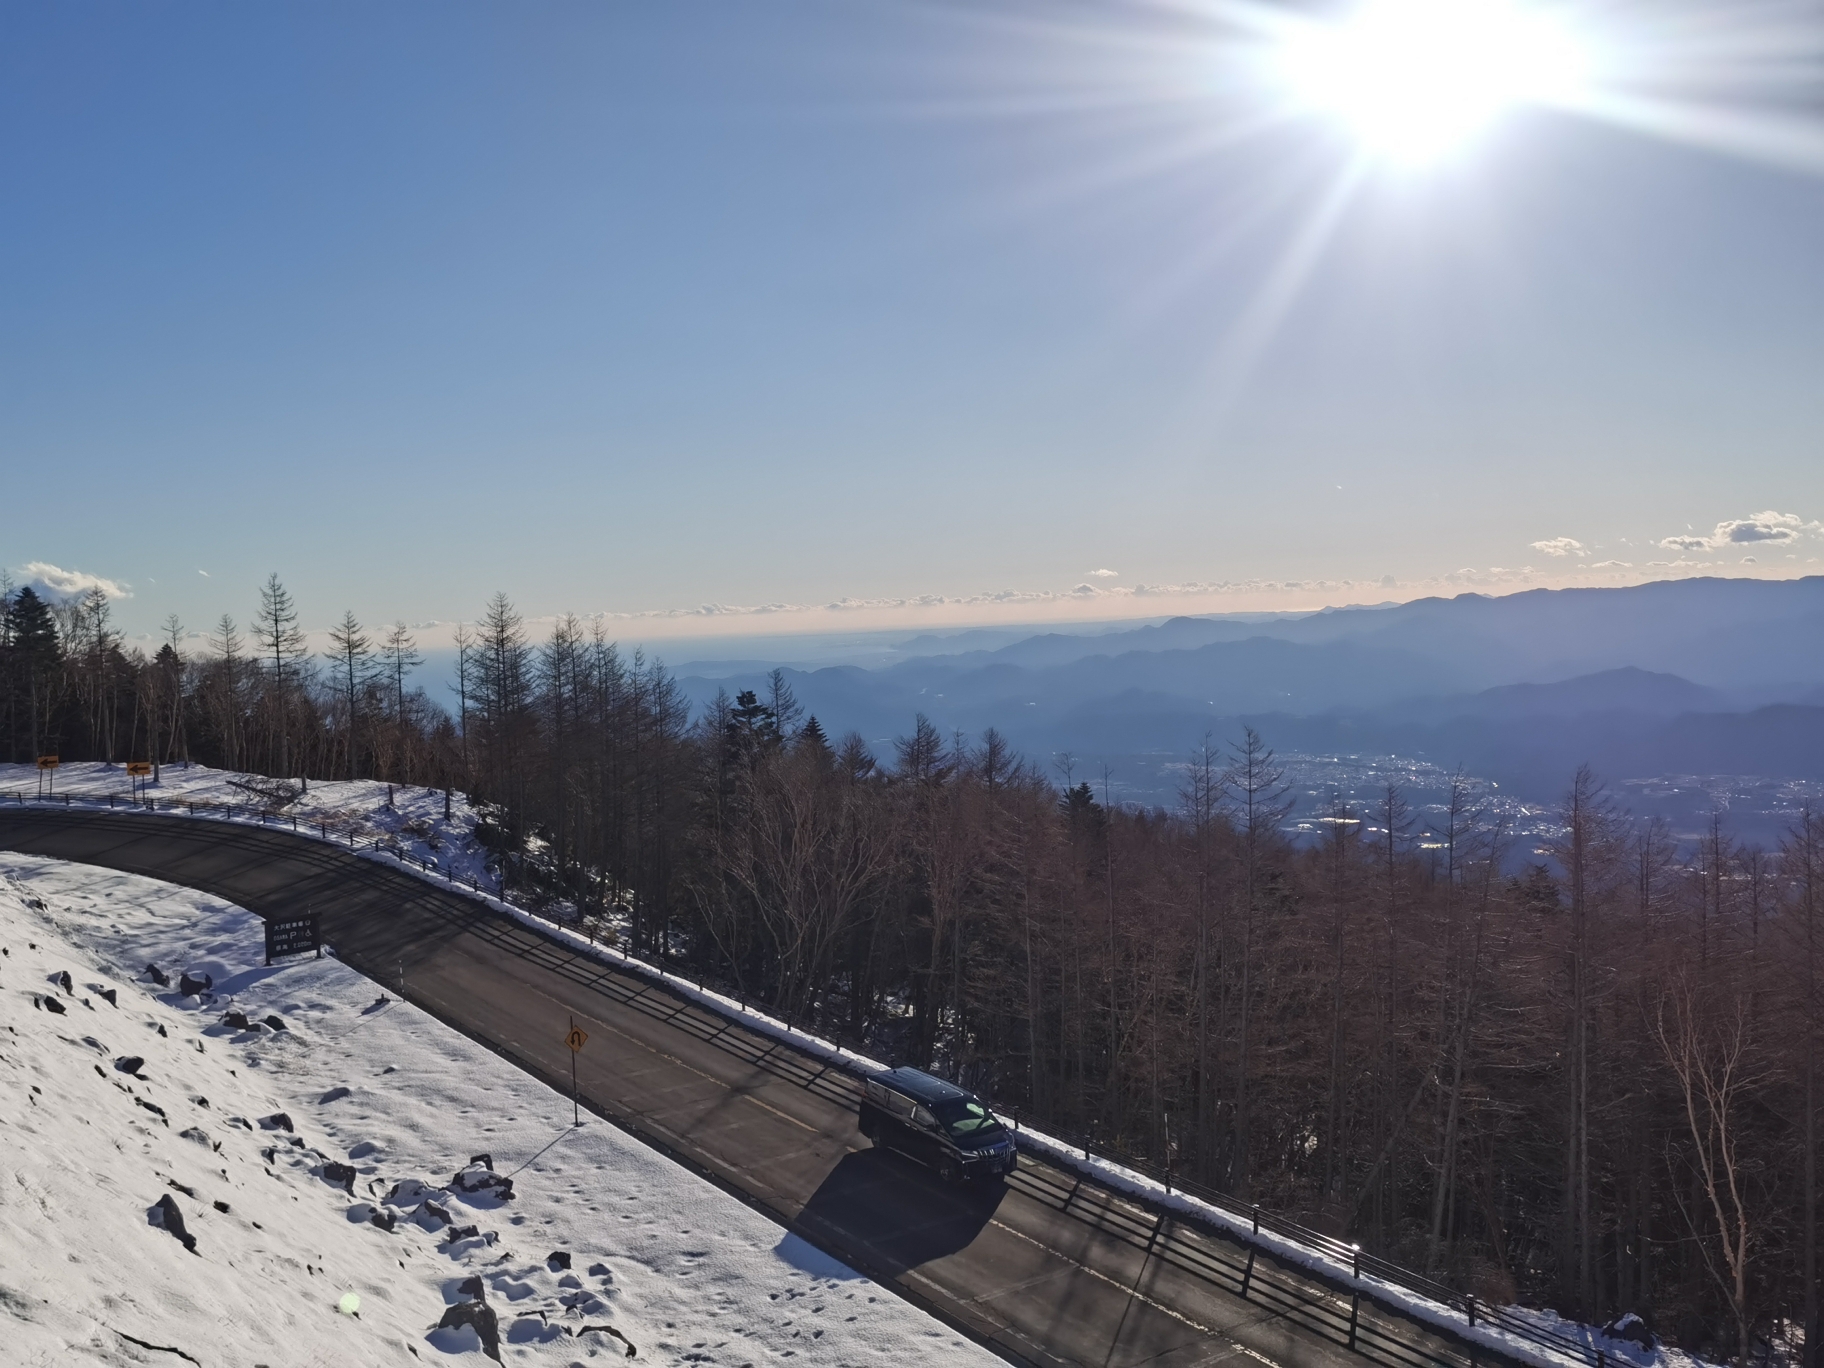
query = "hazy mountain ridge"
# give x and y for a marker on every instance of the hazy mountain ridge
(1706, 675)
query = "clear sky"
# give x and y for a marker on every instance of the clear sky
(641, 307)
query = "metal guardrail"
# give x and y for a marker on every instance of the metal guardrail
(1360, 1265)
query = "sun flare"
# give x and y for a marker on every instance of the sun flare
(1414, 79)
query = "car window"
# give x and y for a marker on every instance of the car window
(966, 1118)
(924, 1118)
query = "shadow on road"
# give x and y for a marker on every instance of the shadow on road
(894, 1214)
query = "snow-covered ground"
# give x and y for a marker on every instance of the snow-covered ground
(132, 1095)
(412, 817)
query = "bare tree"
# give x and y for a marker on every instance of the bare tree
(1709, 1060)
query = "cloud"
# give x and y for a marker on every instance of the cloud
(1561, 546)
(51, 579)
(1612, 565)
(1104, 574)
(1770, 526)
(1764, 527)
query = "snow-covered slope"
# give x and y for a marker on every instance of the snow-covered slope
(132, 1096)
(412, 817)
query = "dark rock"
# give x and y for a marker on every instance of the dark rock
(173, 1221)
(152, 1107)
(333, 1095)
(158, 976)
(52, 1005)
(274, 1022)
(485, 1160)
(184, 1188)
(476, 1179)
(341, 1175)
(432, 1209)
(197, 1134)
(1633, 1329)
(130, 1064)
(238, 1020)
(195, 987)
(472, 1287)
(480, 1316)
(63, 980)
(220, 1206)
(456, 1233)
(201, 1101)
(161, 1031)
(386, 1220)
(277, 1121)
(109, 995)
(559, 1259)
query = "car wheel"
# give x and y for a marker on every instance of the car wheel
(949, 1170)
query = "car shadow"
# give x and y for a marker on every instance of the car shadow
(891, 1214)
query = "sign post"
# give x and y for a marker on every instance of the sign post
(47, 769)
(577, 1038)
(294, 935)
(137, 770)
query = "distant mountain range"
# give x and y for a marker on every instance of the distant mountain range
(1710, 676)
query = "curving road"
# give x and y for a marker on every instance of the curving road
(1047, 1270)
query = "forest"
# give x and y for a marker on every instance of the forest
(1583, 1075)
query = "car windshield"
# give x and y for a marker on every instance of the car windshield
(965, 1118)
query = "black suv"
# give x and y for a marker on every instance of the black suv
(936, 1123)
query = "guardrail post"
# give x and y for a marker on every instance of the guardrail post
(1355, 1311)
(1257, 1218)
(1247, 1275)
(1356, 1267)
(1470, 1303)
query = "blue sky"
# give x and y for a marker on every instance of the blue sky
(637, 308)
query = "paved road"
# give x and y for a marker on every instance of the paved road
(1046, 1269)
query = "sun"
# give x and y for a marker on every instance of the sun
(1414, 80)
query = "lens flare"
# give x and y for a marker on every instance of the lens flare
(1414, 79)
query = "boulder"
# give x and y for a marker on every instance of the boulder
(109, 995)
(238, 1020)
(1631, 1328)
(158, 976)
(558, 1258)
(165, 1213)
(476, 1179)
(333, 1095)
(473, 1287)
(195, 987)
(130, 1064)
(274, 1022)
(50, 1004)
(341, 1175)
(277, 1121)
(386, 1220)
(63, 981)
(435, 1212)
(478, 1316)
